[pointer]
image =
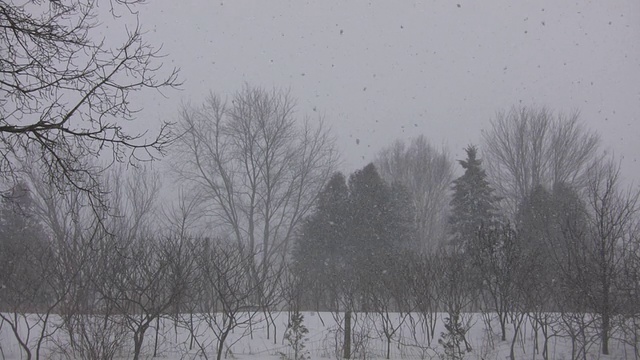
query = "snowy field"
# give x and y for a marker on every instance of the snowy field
(410, 340)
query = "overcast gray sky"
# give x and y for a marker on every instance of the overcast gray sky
(381, 70)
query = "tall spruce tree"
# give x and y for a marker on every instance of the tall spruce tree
(353, 232)
(320, 250)
(369, 202)
(474, 205)
(382, 219)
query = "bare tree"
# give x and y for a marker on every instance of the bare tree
(66, 94)
(226, 290)
(142, 280)
(528, 146)
(28, 291)
(496, 259)
(27, 300)
(545, 220)
(427, 174)
(612, 220)
(591, 255)
(182, 224)
(630, 293)
(535, 295)
(258, 171)
(458, 291)
(386, 294)
(424, 294)
(86, 328)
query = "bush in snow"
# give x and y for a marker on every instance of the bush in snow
(296, 338)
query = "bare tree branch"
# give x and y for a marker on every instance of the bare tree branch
(257, 168)
(527, 147)
(65, 96)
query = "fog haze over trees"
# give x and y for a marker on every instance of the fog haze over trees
(238, 213)
(528, 147)
(426, 173)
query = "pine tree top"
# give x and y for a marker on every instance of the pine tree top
(473, 203)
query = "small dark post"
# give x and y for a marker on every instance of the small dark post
(347, 335)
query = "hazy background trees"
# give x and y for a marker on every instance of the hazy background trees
(426, 173)
(114, 273)
(319, 253)
(530, 146)
(357, 230)
(397, 236)
(257, 171)
(27, 283)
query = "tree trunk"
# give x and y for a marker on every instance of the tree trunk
(606, 312)
(191, 331)
(137, 346)
(221, 343)
(275, 328)
(606, 323)
(42, 333)
(268, 326)
(155, 345)
(388, 348)
(545, 346)
(347, 335)
(503, 325)
(138, 338)
(517, 322)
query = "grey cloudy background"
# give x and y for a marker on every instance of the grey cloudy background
(382, 70)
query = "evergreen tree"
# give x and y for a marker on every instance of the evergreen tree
(350, 239)
(404, 228)
(319, 252)
(382, 219)
(296, 338)
(353, 233)
(24, 252)
(544, 220)
(474, 205)
(369, 201)
(453, 338)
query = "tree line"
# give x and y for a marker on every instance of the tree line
(264, 224)
(566, 258)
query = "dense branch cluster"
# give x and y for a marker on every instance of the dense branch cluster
(65, 94)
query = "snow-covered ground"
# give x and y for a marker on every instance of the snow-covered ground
(324, 340)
